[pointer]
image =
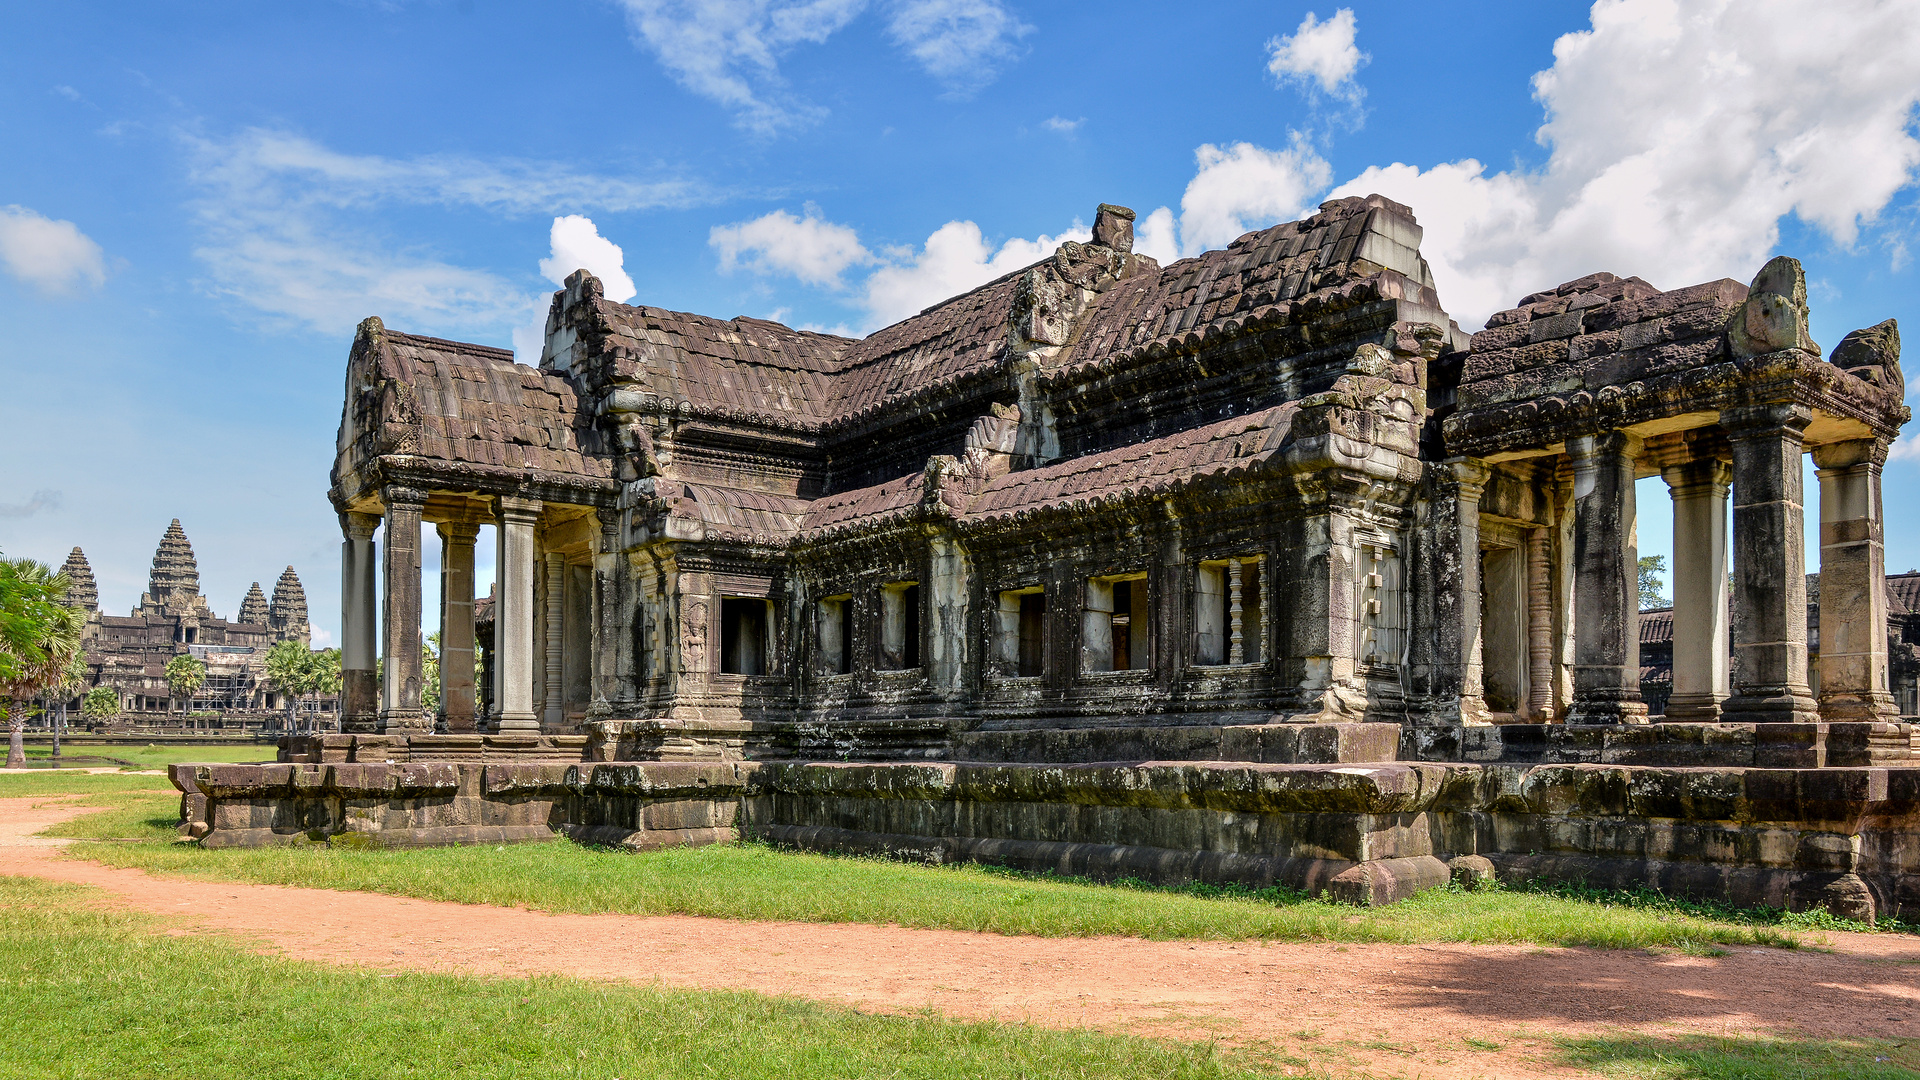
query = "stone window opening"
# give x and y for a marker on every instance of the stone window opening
(1228, 611)
(834, 628)
(1382, 642)
(1020, 637)
(1115, 624)
(1503, 629)
(745, 625)
(900, 626)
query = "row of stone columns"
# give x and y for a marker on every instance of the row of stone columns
(395, 706)
(1753, 667)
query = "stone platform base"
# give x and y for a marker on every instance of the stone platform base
(387, 749)
(1846, 838)
(1676, 744)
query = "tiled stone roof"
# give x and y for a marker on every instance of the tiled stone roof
(473, 404)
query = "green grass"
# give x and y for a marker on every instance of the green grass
(90, 993)
(147, 755)
(756, 881)
(61, 782)
(1705, 1057)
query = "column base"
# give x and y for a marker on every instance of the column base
(1620, 707)
(362, 724)
(397, 723)
(1873, 707)
(458, 723)
(519, 722)
(1694, 708)
(1771, 705)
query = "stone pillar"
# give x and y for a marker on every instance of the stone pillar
(400, 635)
(359, 689)
(1470, 478)
(1606, 661)
(554, 709)
(513, 616)
(1853, 583)
(1769, 567)
(612, 648)
(1700, 643)
(1539, 628)
(456, 623)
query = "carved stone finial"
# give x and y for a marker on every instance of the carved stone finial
(1113, 227)
(1775, 314)
(1873, 354)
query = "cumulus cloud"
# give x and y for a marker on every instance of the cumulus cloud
(1062, 125)
(45, 499)
(810, 248)
(289, 228)
(960, 42)
(1680, 133)
(729, 51)
(1235, 188)
(577, 245)
(53, 256)
(955, 259)
(1320, 56)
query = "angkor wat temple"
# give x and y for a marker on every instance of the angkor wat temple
(130, 654)
(1254, 567)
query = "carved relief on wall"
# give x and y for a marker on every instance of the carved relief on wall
(693, 637)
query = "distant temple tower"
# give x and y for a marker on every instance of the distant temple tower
(173, 586)
(288, 614)
(83, 593)
(253, 609)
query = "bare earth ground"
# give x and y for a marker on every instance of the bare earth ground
(1395, 1010)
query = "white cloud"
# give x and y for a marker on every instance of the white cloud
(44, 499)
(809, 248)
(1320, 56)
(1236, 188)
(289, 228)
(577, 245)
(959, 42)
(53, 256)
(955, 259)
(729, 51)
(1062, 125)
(1681, 132)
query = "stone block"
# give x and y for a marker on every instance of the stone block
(1387, 881)
(1470, 872)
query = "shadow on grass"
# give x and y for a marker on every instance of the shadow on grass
(1710, 1058)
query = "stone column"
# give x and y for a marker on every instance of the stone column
(400, 711)
(1853, 583)
(612, 649)
(554, 709)
(456, 623)
(359, 689)
(1700, 646)
(1769, 567)
(1606, 628)
(513, 616)
(1539, 628)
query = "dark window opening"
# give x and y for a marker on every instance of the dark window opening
(1228, 612)
(1115, 627)
(900, 626)
(836, 635)
(743, 635)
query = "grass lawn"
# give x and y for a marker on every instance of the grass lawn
(61, 782)
(87, 992)
(755, 881)
(146, 755)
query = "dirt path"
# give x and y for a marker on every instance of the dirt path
(1395, 1010)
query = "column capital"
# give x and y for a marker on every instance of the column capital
(1758, 421)
(457, 532)
(1853, 452)
(360, 527)
(400, 495)
(1700, 476)
(1470, 476)
(519, 511)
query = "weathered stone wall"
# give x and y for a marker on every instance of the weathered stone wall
(1847, 838)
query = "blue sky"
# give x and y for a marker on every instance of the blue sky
(198, 201)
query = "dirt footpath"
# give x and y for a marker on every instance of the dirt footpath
(1394, 1010)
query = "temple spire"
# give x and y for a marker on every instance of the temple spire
(288, 613)
(175, 580)
(84, 593)
(253, 609)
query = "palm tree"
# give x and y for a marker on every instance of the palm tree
(290, 669)
(39, 637)
(71, 682)
(185, 674)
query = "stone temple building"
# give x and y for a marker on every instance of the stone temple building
(1254, 566)
(130, 654)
